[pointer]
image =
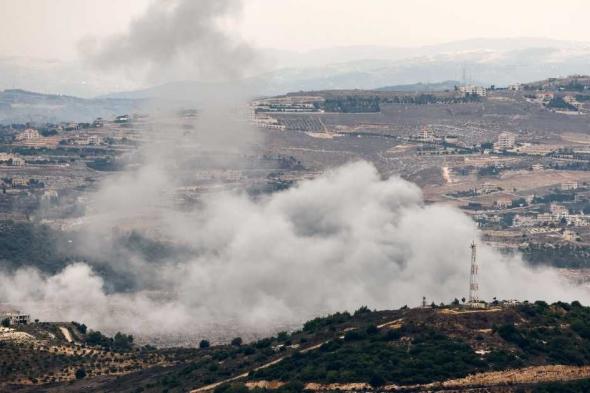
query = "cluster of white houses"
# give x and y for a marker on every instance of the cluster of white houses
(557, 214)
(11, 159)
(28, 135)
(32, 135)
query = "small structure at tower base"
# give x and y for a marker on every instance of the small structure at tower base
(477, 304)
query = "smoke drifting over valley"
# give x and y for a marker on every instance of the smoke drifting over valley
(345, 239)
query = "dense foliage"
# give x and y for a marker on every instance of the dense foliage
(375, 357)
(352, 104)
(120, 342)
(545, 338)
(582, 386)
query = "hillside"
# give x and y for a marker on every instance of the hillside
(20, 106)
(500, 61)
(488, 61)
(531, 347)
(422, 87)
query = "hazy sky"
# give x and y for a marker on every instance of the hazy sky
(52, 28)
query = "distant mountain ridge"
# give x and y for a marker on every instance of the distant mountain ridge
(422, 87)
(21, 106)
(489, 61)
(487, 67)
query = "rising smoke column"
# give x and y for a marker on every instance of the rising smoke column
(177, 40)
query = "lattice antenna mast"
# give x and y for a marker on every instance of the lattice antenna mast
(473, 282)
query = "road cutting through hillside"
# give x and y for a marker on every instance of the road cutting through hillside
(66, 333)
(304, 350)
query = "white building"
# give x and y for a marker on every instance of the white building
(93, 140)
(569, 186)
(559, 211)
(122, 119)
(515, 87)
(579, 220)
(11, 159)
(28, 134)
(523, 221)
(426, 135)
(452, 139)
(506, 140)
(545, 218)
(487, 188)
(14, 317)
(473, 90)
(502, 203)
(17, 161)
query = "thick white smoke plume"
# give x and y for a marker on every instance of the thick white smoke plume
(343, 240)
(176, 40)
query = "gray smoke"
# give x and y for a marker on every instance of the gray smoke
(343, 240)
(177, 40)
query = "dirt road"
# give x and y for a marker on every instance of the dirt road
(66, 333)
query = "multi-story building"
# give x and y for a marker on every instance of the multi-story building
(28, 134)
(14, 317)
(545, 218)
(502, 203)
(559, 211)
(11, 159)
(93, 140)
(426, 135)
(506, 140)
(473, 90)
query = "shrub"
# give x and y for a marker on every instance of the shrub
(231, 388)
(362, 310)
(376, 380)
(249, 351)
(353, 335)
(122, 342)
(204, 344)
(372, 329)
(81, 373)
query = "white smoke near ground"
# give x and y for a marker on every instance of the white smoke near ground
(345, 239)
